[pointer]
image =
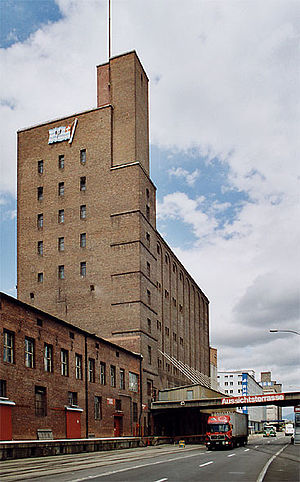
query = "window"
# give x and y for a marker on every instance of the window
(149, 325)
(91, 370)
(39, 322)
(40, 193)
(148, 269)
(112, 376)
(174, 301)
(83, 183)
(231, 391)
(147, 193)
(83, 269)
(40, 248)
(226, 384)
(148, 297)
(83, 240)
(149, 355)
(72, 398)
(40, 277)
(147, 211)
(102, 373)
(29, 352)
(3, 388)
(159, 363)
(78, 366)
(174, 268)
(189, 394)
(48, 357)
(122, 379)
(61, 272)
(61, 161)
(149, 388)
(98, 408)
(40, 220)
(40, 167)
(61, 216)
(166, 294)
(158, 325)
(71, 335)
(134, 412)
(61, 188)
(181, 341)
(180, 308)
(175, 337)
(148, 238)
(167, 331)
(61, 244)
(83, 211)
(166, 258)
(9, 346)
(64, 362)
(83, 156)
(133, 382)
(40, 401)
(118, 405)
(158, 248)
(180, 276)
(231, 383)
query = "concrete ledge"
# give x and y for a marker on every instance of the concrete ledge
(21, 449)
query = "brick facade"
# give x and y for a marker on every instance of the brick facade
(134, 292)
(21, 376)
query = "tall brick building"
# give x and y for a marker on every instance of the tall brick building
(88, 248)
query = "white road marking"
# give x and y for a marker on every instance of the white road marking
(208, 452)
(207, 463)
(264, 470)
(89, 477)
(246, 450)
(231, 455)
(161, 480)
(256, 446)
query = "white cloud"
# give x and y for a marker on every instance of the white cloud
(224, 81)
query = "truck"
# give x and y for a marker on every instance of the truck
(226, 430)
(289, 429)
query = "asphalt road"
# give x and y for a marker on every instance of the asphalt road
(270, 460)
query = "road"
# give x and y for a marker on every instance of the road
(270, 460)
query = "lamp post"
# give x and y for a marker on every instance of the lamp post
(285, 331)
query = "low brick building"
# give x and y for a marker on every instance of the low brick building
(64, 379)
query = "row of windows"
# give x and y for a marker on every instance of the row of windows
(61, 272)
(48, 358)
(61, 244)
(61, 161)
(61, 216)
(61, 188)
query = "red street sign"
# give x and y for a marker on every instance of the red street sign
(297, 409)
(272, 397)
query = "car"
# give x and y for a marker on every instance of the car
(269, 432)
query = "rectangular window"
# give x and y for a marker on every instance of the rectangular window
(134, 412)
(3, 388)
(61, 216)
(148, 297)
(91, 370)
(147, 211)
(61, 244)
(78, 366)
(167, 331)
(83, 183)
(40, 277)
(72, 399)
(133, 382)
(40, 167)
(48, 357)
(122, 379)
(61, 188)
(83, 240)
(148, 269)
(83, 269)
(61, 161)
(29, 352)
(149, 325)
(61, 272)
(175, 337)
(40, 221)
(149, 355)
(83, 156)
(9, 346)
(149, 388)
(158, 325)
(118, 405)
(102, 373)
(40, 193)
(112, 376)
(40, 401)
(40, 247)
(64, 362)
(83, 211)
(181, 341)
(98, 408)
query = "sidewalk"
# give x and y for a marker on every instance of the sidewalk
(286, 467)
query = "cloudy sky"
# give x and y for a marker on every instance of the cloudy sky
(224, 111)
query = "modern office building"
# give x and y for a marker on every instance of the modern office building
(88, 248)
(273, 413)
(242, 382)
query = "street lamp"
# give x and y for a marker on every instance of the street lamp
(285, 331)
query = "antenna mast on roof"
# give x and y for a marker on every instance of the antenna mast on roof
(109, 29)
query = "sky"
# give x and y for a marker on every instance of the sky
(224, 131)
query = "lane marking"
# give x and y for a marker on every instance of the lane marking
(161, 480)
(208, 452)
(207, 463)
(246, 450)
(111, 472)
(231, 455)
(267, 465)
